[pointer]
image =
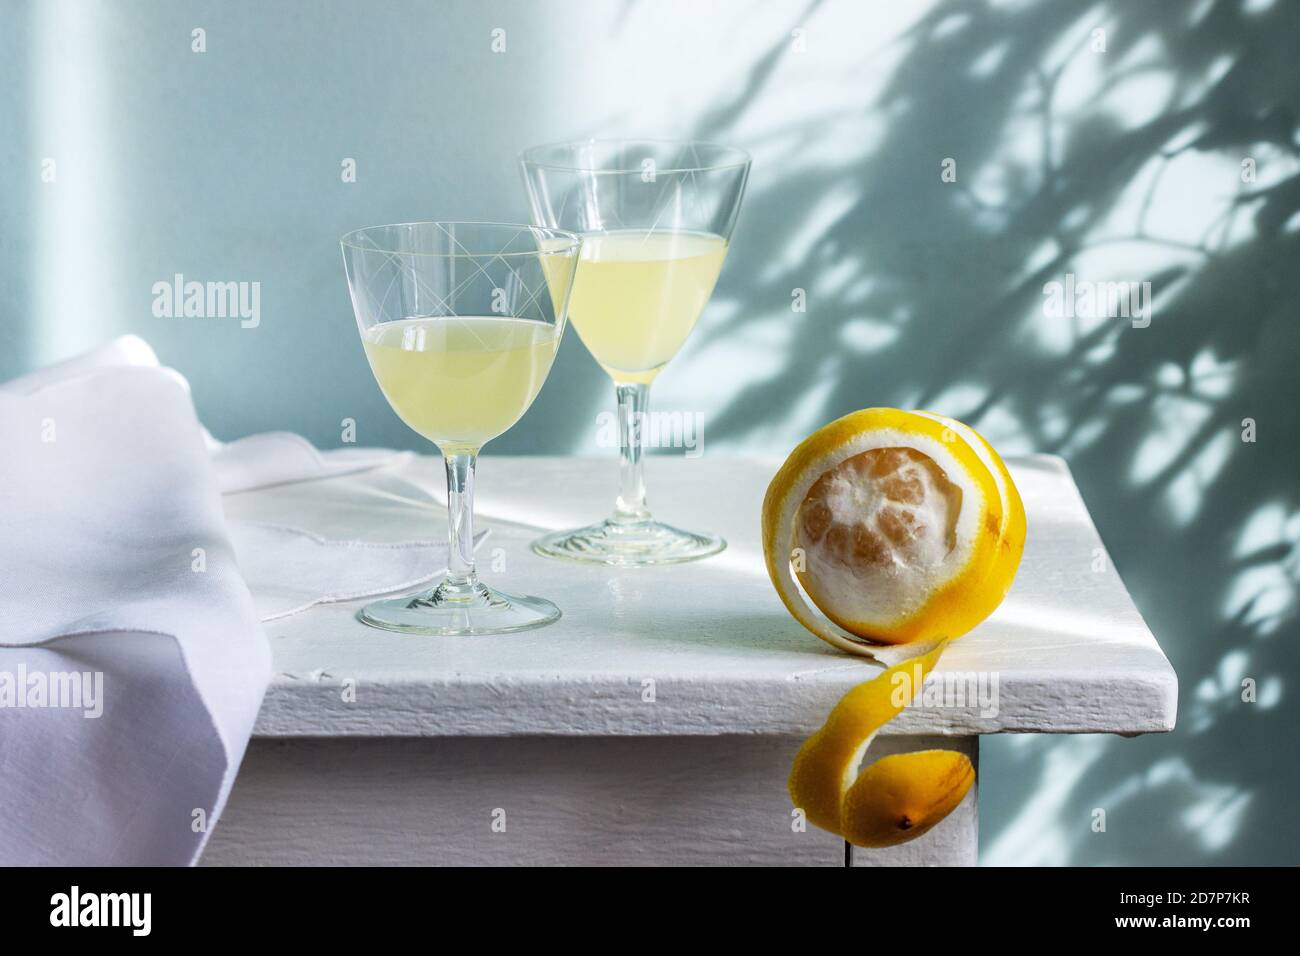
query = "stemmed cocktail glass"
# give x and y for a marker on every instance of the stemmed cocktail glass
(656, 218)
(460, 322)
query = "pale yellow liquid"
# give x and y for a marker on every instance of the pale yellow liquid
(637, 295)
(461, 382)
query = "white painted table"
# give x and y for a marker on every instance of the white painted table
(654, 723)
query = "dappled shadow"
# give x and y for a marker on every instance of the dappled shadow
(1116, 165)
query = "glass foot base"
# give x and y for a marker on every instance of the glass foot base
(481, 610)
(629, 545)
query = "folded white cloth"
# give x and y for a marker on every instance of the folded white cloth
(133, 663)
(290, 570)
(270, 458)
(132, 660)
(287, 569)
(277, 458)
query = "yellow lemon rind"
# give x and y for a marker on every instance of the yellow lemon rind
(900, 797)
(1011, 544)
(827, 764)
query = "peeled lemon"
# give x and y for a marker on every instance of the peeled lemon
(900, 526)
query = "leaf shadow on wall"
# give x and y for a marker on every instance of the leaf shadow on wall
(930, 294)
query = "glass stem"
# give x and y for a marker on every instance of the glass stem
(461, 580)
(633, 405)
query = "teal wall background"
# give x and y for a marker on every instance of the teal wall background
(1117, 165)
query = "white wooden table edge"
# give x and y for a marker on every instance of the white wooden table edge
(1127, 685)
(372, 750)
(317, 709)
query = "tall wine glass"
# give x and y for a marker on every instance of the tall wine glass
(460, 322)
(656, 219)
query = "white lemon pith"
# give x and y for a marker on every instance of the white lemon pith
(878, 531)
(900, 526)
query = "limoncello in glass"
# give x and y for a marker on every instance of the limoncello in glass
(461, 381)
(638, 295)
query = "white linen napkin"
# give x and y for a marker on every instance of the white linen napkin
(270, 458)
(277, 458)
(132, 663)
(290, 570)
(287, 569)
(132, 660)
